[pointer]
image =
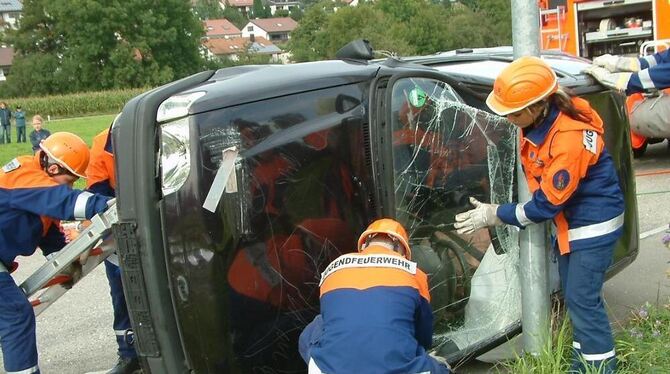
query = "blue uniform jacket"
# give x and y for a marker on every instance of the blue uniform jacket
(31, 205)
(654, 74)
(376, 316)
(572, 179)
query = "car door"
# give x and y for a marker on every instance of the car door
(434, 152)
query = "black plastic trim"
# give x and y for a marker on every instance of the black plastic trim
(138, 191)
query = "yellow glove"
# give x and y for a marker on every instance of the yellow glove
(616, 64)
(615, 81)
(484, 215)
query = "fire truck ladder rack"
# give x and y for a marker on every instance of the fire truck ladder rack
(554, 34)
(52, 278)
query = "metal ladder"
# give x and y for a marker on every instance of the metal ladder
(48, 283)
(547, 36)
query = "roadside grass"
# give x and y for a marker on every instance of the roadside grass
(85, 127)
(643, 346)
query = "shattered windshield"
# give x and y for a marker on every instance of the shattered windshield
(444, 152)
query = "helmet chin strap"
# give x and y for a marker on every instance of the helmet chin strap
(46, 161)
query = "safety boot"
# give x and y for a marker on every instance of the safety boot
(126, 365)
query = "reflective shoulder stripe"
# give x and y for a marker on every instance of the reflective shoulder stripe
(521, 215)
(599, 356)
(31, 370)
(596, 230)
(80, 205)
(645, 79)
(312, 368)
(368, 261)
(651, 60)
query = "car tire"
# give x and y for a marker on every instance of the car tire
(637, 153)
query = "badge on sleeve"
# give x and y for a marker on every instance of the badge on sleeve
(591, 141)
(11, 166)
(561, 179)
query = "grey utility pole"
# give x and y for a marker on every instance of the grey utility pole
(533, 264)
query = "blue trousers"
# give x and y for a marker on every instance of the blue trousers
(5, 135)
(582, 277)
(20, 134)
(17, 328)
(122, 327)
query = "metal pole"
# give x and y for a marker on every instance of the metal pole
(534, 256)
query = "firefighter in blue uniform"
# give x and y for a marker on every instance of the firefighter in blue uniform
(35, 194)
(574, 183)
(375, 311)
(102, 179)
(632, 74)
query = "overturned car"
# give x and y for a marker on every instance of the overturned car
(236, 188)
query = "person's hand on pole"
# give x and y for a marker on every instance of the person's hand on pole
(615, 81)
(484, 215)
(616, 64)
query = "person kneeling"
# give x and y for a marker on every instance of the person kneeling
(375, 310)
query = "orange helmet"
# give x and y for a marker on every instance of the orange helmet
(522, 83)
(68, 151)
(388, 227)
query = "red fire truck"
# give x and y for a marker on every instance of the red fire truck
(590, 28)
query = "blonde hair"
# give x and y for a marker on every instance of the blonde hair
(38, 117)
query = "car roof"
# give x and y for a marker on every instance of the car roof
(243, 84)
(486, 63)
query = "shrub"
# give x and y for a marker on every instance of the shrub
(73, 105)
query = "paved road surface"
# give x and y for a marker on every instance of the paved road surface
(75, 335)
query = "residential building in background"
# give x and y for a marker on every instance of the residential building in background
(243, 5)
(10, 12)
(6, 59)
(233, 48)
(287, 5)
(221, 28)
(276, 30)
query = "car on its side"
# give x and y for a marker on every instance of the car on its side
(237, 187)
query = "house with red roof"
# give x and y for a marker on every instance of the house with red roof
(276, 30)
(221, 28)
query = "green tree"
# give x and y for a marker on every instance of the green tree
(281, 13)
(404, 27)
(296, 13)
(93, 45)
(234, 15)
(258, 10)
(208, 9)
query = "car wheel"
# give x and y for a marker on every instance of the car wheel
(637, 153)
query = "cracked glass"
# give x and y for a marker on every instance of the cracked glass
(443, 153)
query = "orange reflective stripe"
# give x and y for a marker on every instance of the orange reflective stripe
(361, 278)
(562, 233)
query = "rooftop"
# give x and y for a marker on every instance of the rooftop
(216, 27)
(275, 24)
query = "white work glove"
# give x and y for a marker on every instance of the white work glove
(111, 202)
(616, 64)
(615, 81)
(484, 215)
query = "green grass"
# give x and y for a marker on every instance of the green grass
(85, 127)
(642, 347)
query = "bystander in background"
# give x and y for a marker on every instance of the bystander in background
(5, 117)
(20, 118)
(38, 134)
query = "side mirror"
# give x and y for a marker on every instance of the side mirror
(357, 50)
